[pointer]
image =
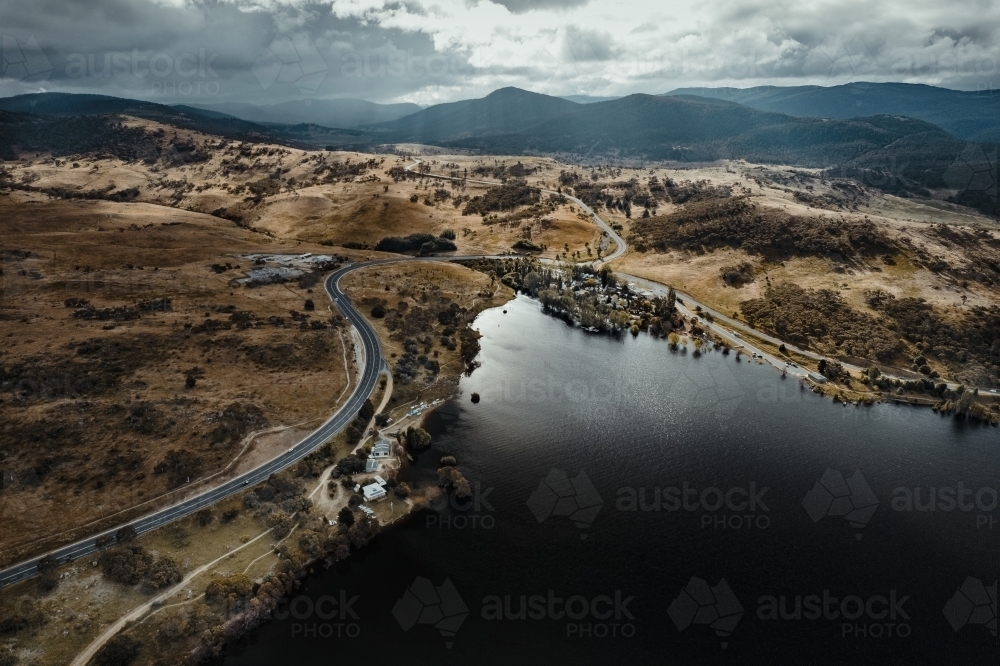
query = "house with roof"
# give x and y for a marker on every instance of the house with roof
(371, 465)
(382, 449)
(374, 492)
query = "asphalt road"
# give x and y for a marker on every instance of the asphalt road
(362, 390)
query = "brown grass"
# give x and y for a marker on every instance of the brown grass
(75, 454)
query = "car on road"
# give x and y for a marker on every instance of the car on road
(246, 483)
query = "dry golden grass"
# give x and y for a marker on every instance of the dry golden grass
(73, 455)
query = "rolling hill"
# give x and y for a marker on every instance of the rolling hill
(967, 115)
(501, 112)
(892, 152)
(69, 104)
(895, 153)
(339, 113)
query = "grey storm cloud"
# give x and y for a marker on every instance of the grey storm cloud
(584, 45)
(267, 51)
(522, 6)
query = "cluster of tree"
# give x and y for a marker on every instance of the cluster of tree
(972, 342)
(831, 369)
(510, 272)
(535, 213)
(130, 564)
(981, 250)
(435, 317)
(28, 614)
(356, 429)
(736, 222)
(527, 246)
(180, 466)
(398, 173)
(686, 191)
(116, 313)
(264, 187)
(100, 136)
(229, 590)
(737, 275)
(334, 171)
(415, 439)
(410, 362)
(451, 478)
(349, 465)
(502, 171)
(120, 650)
(963, 401)
(48, 579)
(235, 421)
(183, 151)
(508, 196)
(810, 316)
(279, 497)
(423, 243)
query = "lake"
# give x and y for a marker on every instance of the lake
(633, 504)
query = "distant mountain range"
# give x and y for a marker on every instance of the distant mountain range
(689, 128)
(587, 99)
(339, 113)
(967, 115)
(501, 112)
(895, 150)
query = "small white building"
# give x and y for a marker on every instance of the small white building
(382, 449)
(374, 492)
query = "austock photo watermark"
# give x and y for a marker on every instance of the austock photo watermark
(880, 615)
(733, 509)
(837, 495)
(182, 74)
(175, 74)
(577, 616)
(887, 614)
(325, 617)
(580, 616)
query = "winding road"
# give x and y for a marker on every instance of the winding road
(373, 365)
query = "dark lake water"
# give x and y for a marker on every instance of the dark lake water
(642, 506)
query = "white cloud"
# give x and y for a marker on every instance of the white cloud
(462, 49)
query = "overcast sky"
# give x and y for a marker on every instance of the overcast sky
(429, 51)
